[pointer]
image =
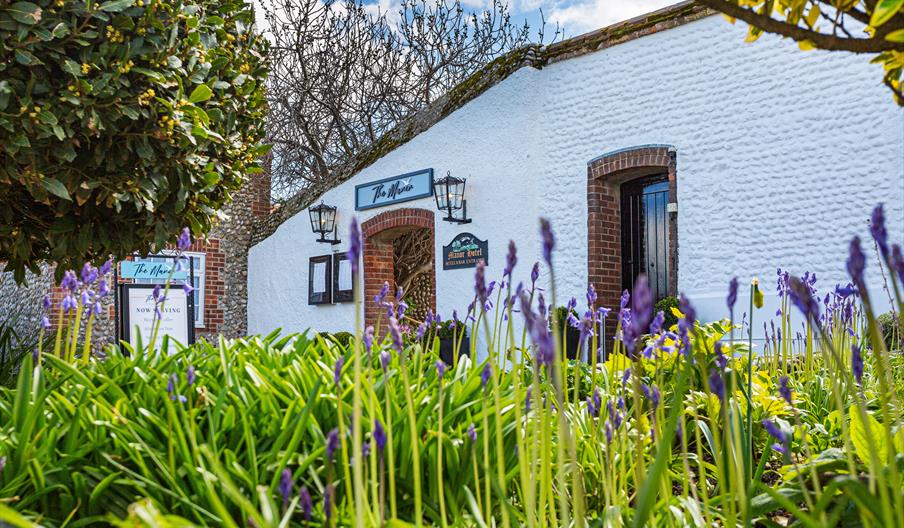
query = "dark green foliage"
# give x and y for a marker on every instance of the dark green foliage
(665, 305)
(342, 338)
(888, 325)
(121, 122)
(13, 347)
(560, 315)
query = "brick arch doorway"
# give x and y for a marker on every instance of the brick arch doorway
(611, 180)
(383, 235)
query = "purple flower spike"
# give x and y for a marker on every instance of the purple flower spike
(716, 384)
(365, 449)
(685, 306)
(641, 306)
(511, 259)
(527, 400)
(775, 431)
(857, 363)
(480, 285)
(802, 297)
(184, 240)
(368, 339)
(45, 322)
(285, 486)
(45, 302)
(440, 369)
(877, 229)
(721, 360)
(626, 375)
(89, 273)
(354, 247)
(472, 433)
(187, 288)
(421, 331)
(897, 262)
(190, 375)
(337, 370)
(625, 298)
(784, 390)
(384, 360)
(102, 288)
(534, 274)
(549, 241)
(332, 443)
(171, 385)
(106, 267)
(379, 435)
(485, 375)
(156, 292)
(732, 293)
(591, 296)
(396, 334)
(856, 263)
(304, 500)
(328, 501)
(658, 321)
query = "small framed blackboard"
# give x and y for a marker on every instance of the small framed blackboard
(320, 280)
(343, 279)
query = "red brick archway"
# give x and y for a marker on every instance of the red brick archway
(379, 233)
(605, 175)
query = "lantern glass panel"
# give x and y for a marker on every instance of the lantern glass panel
(315, 219)
(456, 193)
(439, 191)
(327, 219)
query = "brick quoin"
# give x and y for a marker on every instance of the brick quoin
(604, 254)
(379, 232)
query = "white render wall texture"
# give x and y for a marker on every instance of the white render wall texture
(781, 156)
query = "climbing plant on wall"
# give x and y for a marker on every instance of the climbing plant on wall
(122, 121)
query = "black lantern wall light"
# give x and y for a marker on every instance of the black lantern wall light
(450, 192)
(323, 222)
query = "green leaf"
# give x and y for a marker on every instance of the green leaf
(868, 439)
(26, 58)
(884, 10)
(54, 186)
(895, 36)
(201, 93)
(25, 13)
(47, 117)
(116, 6)
(71, 67)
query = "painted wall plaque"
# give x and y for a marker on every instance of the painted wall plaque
(465, 251)
(393, 190)
(153, 270)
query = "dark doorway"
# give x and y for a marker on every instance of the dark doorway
(644, 233)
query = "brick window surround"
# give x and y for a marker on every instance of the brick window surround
(605, 175)
(379, 232)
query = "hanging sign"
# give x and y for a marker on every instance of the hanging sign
(139, 314)
(465, 251)
(397, 189)
(146, 269)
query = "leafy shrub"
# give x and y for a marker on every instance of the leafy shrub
(343, 338)
(122, 121)
(14, 347)
(890, 330)
(560, 316)
(665, 305)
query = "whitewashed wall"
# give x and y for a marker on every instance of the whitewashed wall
(781, 156)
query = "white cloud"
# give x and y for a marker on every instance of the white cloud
(583, 16)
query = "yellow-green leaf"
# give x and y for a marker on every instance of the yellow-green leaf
(868, 439)
(885, 9)
(895, 36)
(201, 93)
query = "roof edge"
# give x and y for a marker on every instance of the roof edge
(476, 84)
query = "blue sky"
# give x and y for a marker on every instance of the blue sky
(574, 16)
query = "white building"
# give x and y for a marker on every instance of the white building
(752, 157)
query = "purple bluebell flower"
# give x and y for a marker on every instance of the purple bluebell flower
(511, 259)
(544, 345)
(384, 360)
(440, 369)
(89, 273)
(721, 360)
(472, 433)
(187, 288)
(69, 282)
(332, 443)
(403, 306)
(802, 297)
(421, 331)
(328, 501)
(337, 370)
(86, 298)
(591, 296)
(155, 293)
(106, 267)
(368, 339)
(658, 321)
(45, 322)
(534, 274)
(716, 384)
(541, 306)
(190, 375)
(784, 390)
(608, 432)
(625, 298)
(396, 333)
(877, 229)
(527, 400)
(732, 293)
(365, 449)
(102, 288)
(307, 505)
(184, 240)
(480, 285)
(592, 409)
(98, 309)
(380, 298)
(171, 385)
(897, 262)
(285, 486)
(857, 363)
(379, 435)
(485, 375)
(641, 306)
(856, 263)
(626, 375)
(655, 396)
(354, 244)
(775, 431)
(549, 241)
(603, 312)
(45, 302)
(685, 306)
